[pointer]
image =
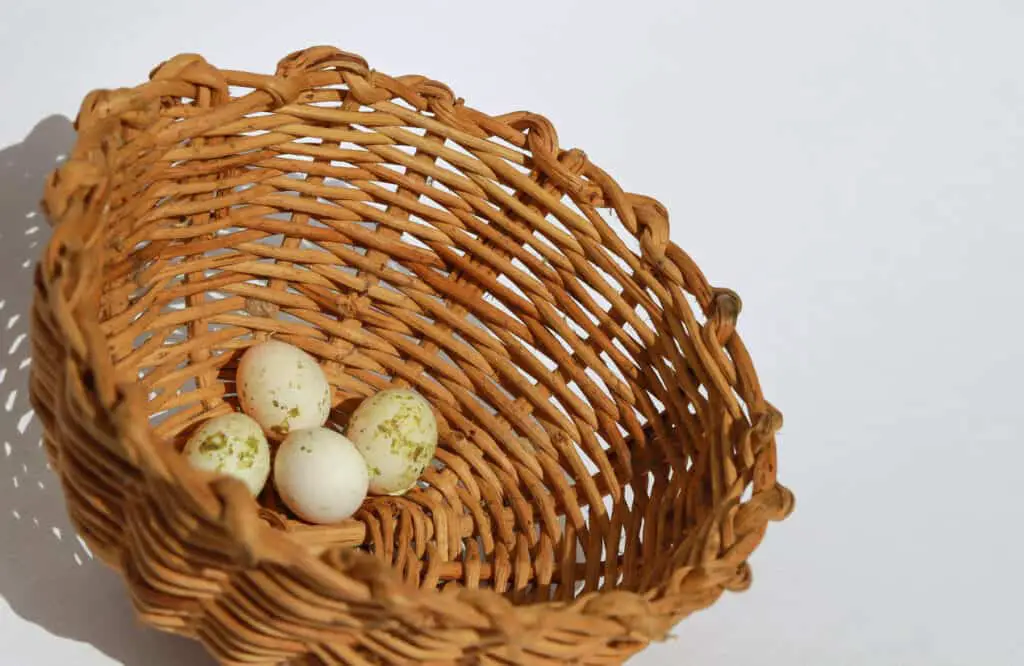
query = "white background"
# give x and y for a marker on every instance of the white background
(855, 170)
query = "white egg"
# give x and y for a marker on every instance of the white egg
(283, 388)
(396, 432)
(232, 444)
(320, 475)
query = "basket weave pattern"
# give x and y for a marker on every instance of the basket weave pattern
(607, 460)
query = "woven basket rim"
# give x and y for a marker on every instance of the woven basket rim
(73, 203)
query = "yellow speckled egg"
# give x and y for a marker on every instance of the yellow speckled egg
(283, 388)
(232, 444)
(396, 432)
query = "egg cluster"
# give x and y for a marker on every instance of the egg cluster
(320, 474)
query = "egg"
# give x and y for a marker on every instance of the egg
(320, 475)
(396, 432)
(283, 388)
(234, 445)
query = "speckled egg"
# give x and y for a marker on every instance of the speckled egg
(232, 444)
(283, 388)
(320, 475)
(396, 432)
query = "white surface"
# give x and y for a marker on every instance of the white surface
(854, 170)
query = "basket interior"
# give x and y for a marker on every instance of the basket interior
(401, 251)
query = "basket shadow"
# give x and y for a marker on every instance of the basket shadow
(47, 575)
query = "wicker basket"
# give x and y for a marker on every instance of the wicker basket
(607, 459)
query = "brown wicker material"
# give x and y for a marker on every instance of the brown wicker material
(607, 460)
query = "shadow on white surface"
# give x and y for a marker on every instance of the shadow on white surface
(47, 575)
